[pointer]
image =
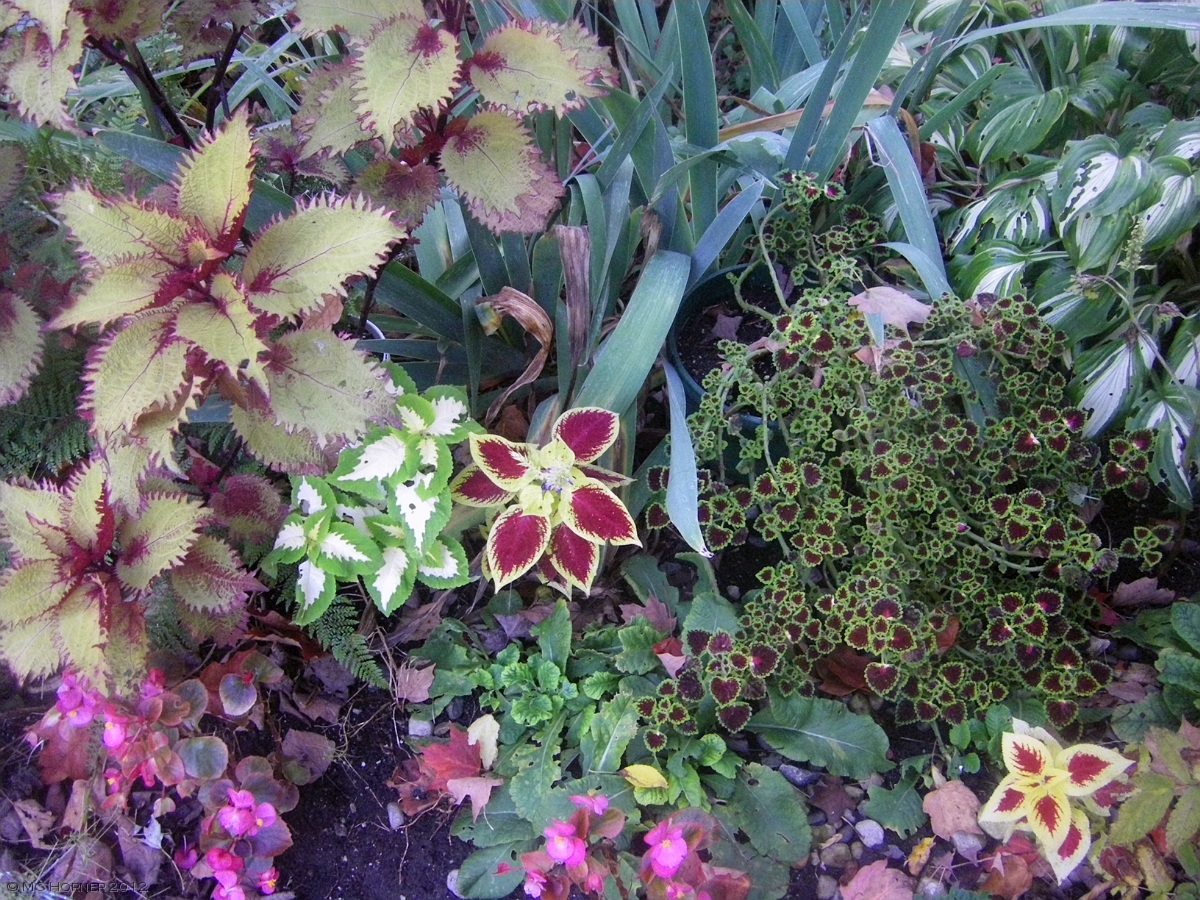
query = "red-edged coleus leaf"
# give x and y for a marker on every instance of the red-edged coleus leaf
(573, 557)
(588, 431)
(21, 346)
(210, 578)
(504, 462)
(595, 513)
(473, 487)
(515, 542)
(1090, 768)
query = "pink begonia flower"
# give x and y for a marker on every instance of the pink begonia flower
(232, 892)
(597, 804)
(154, 684)
(563, 846)
(667, 850)
(75, 702)
(225, 865)
(676, 890)
(268, 880)
(186, 859)
(243, 817)
(535, 883)
(594, 883)
(115, 728)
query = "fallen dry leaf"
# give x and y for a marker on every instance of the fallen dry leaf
(484, 732)
(919, 856)
(1010, 877)
(412, 684)
(1142, 592)
(36, 820)
(878, 882)
(478, 789)
(831, 798)
(896, 307)
(952, 808)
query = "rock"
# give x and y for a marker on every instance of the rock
(930, 888)
(837, 857)
(420, 728)
(798, 776)
(452, 882)
(826, 887)
(870, 832)
(818, 818)
(854, 792)
(857, 850)
(822, 833)
(395, 816)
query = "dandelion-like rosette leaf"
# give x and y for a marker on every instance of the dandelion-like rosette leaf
(505, 463)
(595, 513)
(473, 487)
(575, 558)
(213, 184)
(515, 542)
(588, 431)
(1090, 768)
(1074, 847)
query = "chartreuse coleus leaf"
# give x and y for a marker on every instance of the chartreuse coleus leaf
(357, 18)
(26, 515)
(157, 539)
(403, 66)
(111, 230)
(213, 184)
(295, 262)
(495, 165)
(534, 66)
(40, 77)
(327, 119)
(296, 453)
(210, 578)
(224, 329)
(21, 346)
(119, 290)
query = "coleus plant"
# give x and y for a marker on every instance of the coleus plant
(554, 504)
(403, 83)
(379, 515)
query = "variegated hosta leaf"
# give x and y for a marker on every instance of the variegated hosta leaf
(213, 184)
(504, 462)
(1078, 309)
(515, 542)
(21, 346)
(295, 262)
(595, 513)
(26, 514)
(1177, 209)
(42, 74)
(357, 18)
(996, 267)
(113, 230)
(404, 66)
(346, 552)
(387, 454)
(224, 330)
(1020, 126)
(323, 385)
(531, 67)
(138, 368)
(588, 431)
(494, 164)
(391, 583)
(296, 453)
(211, 578)
(444, 565)
(1097, 178)
(575, 558)
(314, 592)
(1169, 413)
(1094, 242)
(117, 291)
(32, 590)
(1016, 209)
(157, 540)
(1109, 376)
(1179, 137)
(472, 487)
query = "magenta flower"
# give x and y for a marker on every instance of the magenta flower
(563, 846)
(225, 866)
(75, 702)
(676, 890)
(116, 728)
(232, 892)
(594, 883)
(268, 881)
(596, 803)
(186, 858)
(243, 817)
(667, 850)
(535, 883)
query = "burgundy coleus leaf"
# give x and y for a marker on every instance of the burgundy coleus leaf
(595, 513)
(575, 558)
(473, 487)
(504, 462)
(517, 541)
(588, 431)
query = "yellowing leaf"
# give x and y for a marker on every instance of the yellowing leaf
(896, 307)
(479, 789)
(644, 777)
(527, 67)
(920, 856)
(494, 165)
(29, 649)
(137, 368)
(357, 18)
(109, 230)
(214, 181)
(80, 637)
(485, 731)
(115, 292)
(224, 330)
(296, 261)
(43, 72)
(27, 516)
(21, 346)
(157, 539)
(322, 384)
(404, 66)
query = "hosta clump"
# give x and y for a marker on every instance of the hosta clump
(379, 515)
(926, 502)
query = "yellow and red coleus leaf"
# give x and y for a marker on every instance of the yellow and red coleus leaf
(588, 431)
(516, 541)
(1073, 848)
(1026, 756)
(576, 559)
(597, 514)
(213, 185)
(504, 462)
(21, 347)
(1090, 768)
(473, 487)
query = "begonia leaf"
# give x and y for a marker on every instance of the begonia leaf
(403, 66)
(157, 539)
(295, 262)
(210, 578)
(597, 514)
(516, 541)
(495, 165)
(357, 18)
(21, 347)
(588, 431)
(41, 76)
(323, 385)
(111, 230)
(213, 183)
(531, 67)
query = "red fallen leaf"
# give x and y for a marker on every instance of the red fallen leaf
(670, 654)
(831, 798)
(878, 882)
(1010, 877)
(842, 672)
(414, 783)
(457, 759)
(948, 636)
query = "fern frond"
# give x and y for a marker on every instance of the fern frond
(42, 433)
(337, 632)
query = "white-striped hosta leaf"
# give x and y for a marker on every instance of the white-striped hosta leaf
(1096, 178)
(1177, 208)
(1180, 138)
(1109, 377)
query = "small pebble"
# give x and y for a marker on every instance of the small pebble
(395, 816)
(930, 888)
(818, 818)
(826, 887)
(822, 833)
(420, 728)
(871, 833)
(857, 850)
(836, 857)
(452, 882)
(798, 776)
(455, 709)
(854, 792)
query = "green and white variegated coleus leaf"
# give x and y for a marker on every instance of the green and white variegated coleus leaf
(1109, 377)
(444, 565)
